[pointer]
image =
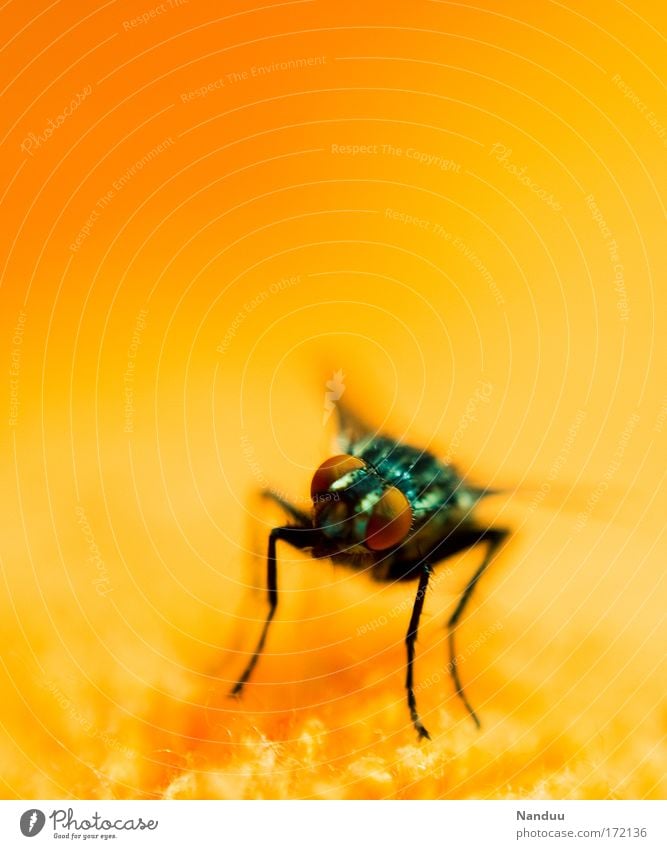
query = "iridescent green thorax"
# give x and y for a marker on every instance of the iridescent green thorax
(430, 485)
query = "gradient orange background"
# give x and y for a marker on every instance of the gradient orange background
(159, 373)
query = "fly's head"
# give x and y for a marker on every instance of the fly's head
(355, 510)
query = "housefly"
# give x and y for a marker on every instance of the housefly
(396, 511)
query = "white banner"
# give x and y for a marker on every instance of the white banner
(334, 825)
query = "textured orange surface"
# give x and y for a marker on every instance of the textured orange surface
(452, 214)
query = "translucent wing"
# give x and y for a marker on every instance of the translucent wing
(353, 433)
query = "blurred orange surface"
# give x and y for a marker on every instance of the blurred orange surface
(212, 213)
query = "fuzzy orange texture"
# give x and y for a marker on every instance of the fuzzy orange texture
(570, 713)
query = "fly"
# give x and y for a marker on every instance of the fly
(396, 511)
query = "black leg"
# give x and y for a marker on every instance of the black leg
(299, 538)
(494, 537)
(299, 516)
(410, 639)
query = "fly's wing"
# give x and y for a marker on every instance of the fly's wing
(385, 454)
(353, 434)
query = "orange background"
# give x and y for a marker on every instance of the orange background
(159, 375)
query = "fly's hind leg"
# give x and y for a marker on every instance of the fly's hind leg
(460, 540)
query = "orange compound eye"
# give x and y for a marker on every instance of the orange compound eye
(390, 521)
(332, 470)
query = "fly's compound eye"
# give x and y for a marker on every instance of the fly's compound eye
(390, 521)
(332, 470)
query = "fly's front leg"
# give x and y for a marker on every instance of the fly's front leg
(302, 519)
(299, 538)
(410, 640)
